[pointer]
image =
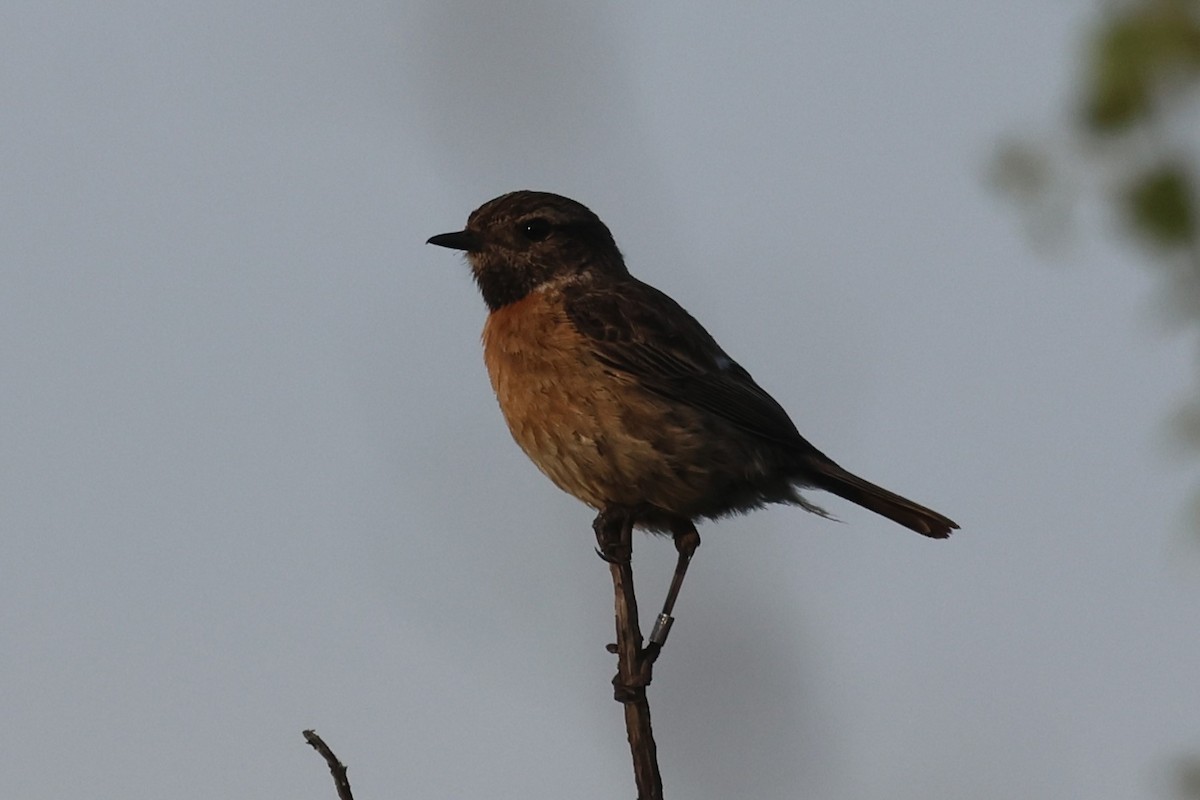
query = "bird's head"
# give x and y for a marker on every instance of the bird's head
(523, 241)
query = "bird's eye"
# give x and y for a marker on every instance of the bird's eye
(535, 230)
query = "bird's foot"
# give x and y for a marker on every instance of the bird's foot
(614, 545)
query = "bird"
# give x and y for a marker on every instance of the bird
(621, 397)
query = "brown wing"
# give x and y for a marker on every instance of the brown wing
(637, 329)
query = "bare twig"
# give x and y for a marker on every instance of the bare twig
(635, 663)
(614, 533)
(336, 768)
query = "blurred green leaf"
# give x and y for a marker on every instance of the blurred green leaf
(1028, 174)
(1134, 142)
(1019, 168)
(1119, 92)
(1160, 207)
(1136, 55)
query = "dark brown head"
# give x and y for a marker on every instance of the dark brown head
(524, 240)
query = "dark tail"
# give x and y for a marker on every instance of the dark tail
(832, 478)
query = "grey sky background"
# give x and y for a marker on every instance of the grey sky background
(254, 479)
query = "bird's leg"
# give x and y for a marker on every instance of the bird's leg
(686, 542)
(614, 535)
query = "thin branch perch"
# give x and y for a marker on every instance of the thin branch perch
(614, 534)
(635, 663)
(336, 768)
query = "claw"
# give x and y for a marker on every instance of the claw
(612, 559)
(610, 528)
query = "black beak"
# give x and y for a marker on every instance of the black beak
(459, 240)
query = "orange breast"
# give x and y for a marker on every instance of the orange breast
(562, 407)
(596, 433)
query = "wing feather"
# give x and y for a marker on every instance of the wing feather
(639, 330)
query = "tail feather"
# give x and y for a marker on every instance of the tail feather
(925, 521)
